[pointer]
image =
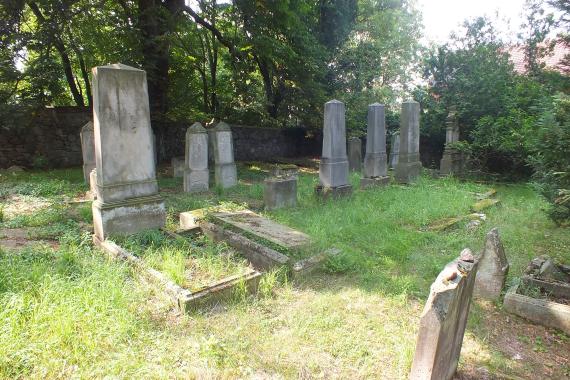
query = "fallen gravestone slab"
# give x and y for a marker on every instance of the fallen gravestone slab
(443, 321)
(493, 268)
(484, 204)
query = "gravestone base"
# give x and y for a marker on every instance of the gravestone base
(177, 167)
(334, 192)
(375, 165)
(226, 175)
(406, 172)
(376, 181)
(129, 216)
(333, 174)
(280, 192)
(196, 181)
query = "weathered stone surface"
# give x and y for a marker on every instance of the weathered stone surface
(354, 154)
(484, 204)
(280, 192)
(366, 182)
(177, 164)
(375, 159)
(93, 183)
(551, 272)
(284, 170)
(224, 164)
(394, 149)
(443, 321)
(493, 268)
(87, 136)
(196, 174)
(333, 168)
(127, 191)
(409, 166)
(453, 161)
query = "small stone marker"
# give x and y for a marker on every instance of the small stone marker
(452, 161)
(409, 166)
(394, 149)
(493, 268)
(280, 190)
(87, 136)
(127, 191)
(333, 168)
(375, 166)
(443, 321)
(354, 154)
(224, 165)
(196, 174)
(177, 164)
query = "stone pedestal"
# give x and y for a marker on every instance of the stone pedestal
(177, 164)
(280, 192)
(375, 166)
(354, 154)
(493, 268)
(127, 191)
(394, 149)
(87, 136)
(333, 168)
(224, 164)
(196, 174)
(409, 166)
(443, 321)
(453, 160)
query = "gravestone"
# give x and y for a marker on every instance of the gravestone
(196, 174)
(394, 149)
(375, 165)
(493, 268)
(177, 164)
(87, 136)
(127, 191)
(409, 166)
(443, 321)
(333, 168)
(93, 183)
(452, 161)
(280, 190)
(224, 165)
(354, 154)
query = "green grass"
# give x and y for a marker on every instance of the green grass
(72, 313)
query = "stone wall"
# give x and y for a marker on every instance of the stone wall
(51, 136)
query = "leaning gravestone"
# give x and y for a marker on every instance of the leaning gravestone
(224, 165)
(87, 136)
(394, 149)
(375, 166)
(196, 174)
(493, 268)
(333, 168)
(354, 154)
(443, 321)
(127, 191)
(409, 165)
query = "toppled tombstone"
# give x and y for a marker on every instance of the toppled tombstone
(493, 268)
(488, 194)
(549, 271)
(484, 204)
(443, 321)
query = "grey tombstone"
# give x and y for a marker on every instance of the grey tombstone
(394, 149)
(177, 164)
(87, 136)
(333, 168)
(493, 268)
(452, 160)
(224, 165)
(409, 166)
(443, 321)
(280, 192)
(196, 174)
(354, 154)
(127, 190)
(375, 165)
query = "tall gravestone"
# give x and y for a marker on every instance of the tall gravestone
(493, 268)
(452, 161)
(224, 164)
(394, 149)
(443, 321)
(196, 174)
(333, 168)
(87, 136)
(375, 165)
(354, 154)
(409, 165)
(127, 191)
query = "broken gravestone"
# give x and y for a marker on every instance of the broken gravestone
(443, 321)
(493, 268)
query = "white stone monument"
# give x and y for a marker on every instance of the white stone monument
(196, 174)
(127, 191)
(224, 164)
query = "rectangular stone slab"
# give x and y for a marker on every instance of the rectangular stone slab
(265, 228)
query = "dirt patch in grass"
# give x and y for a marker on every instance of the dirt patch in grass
(17, 238)
(16, 204)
